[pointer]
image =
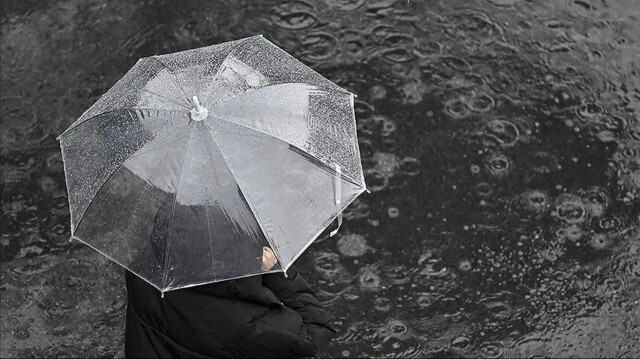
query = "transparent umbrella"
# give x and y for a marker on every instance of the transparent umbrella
(195, 160)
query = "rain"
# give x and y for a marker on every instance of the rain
(500, 140)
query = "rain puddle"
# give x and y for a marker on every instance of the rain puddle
(500, 140)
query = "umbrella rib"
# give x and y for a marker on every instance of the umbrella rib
(116, 110)
(136, 153)
(173, 210)
(215, 77)
(175, 79)
(250, 205)
(206, 212)
(344, 175)
(166, 98)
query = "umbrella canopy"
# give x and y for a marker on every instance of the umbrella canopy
(195, 160)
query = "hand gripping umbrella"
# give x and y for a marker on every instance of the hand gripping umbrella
(195, 160)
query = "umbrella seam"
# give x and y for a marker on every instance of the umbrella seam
(173, 210)
(109, 177)
(357, 144)
(324, 226)
(350, 179)
(267, 235)
(175, 79)
(215, 77)
(213, 266)
(165, 98)
(161, 63)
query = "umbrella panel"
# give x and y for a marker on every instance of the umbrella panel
(95, 149)
(291, 193)
(175, 199)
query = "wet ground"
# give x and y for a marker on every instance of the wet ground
(500, 139)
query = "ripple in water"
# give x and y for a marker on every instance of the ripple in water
(369, 280)
(397, 55)
(500, 133)
(293, 19)
(319, 46)
(498, 164)
(460, 343)
(532, 202)
(596, 201)
(347, 5)
(394, 328)
(352, 245)
(376, 180)
(589, 111)
(612, 224)
(571, 233)
(599, 241)
(398, 275)
(570, 209)
(491, 350)
(543, 162)
(456, 108)
(327, 264)
(382, 304)
(481, 103)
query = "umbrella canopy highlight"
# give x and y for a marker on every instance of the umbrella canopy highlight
(195, 160)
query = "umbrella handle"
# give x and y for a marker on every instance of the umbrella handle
(337, 194)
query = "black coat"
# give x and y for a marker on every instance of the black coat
(261, 316)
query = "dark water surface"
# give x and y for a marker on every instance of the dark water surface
(500, 139)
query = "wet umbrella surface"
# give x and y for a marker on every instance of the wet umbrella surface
(185, 193)
(500, 140)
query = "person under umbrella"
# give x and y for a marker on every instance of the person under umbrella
(205, 174)
(259, 316)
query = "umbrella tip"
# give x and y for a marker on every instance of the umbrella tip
(198, 113)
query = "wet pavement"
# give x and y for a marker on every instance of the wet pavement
(500, 139)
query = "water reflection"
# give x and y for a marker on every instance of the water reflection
(500, 142)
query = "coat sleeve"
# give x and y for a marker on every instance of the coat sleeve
(295, 293)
